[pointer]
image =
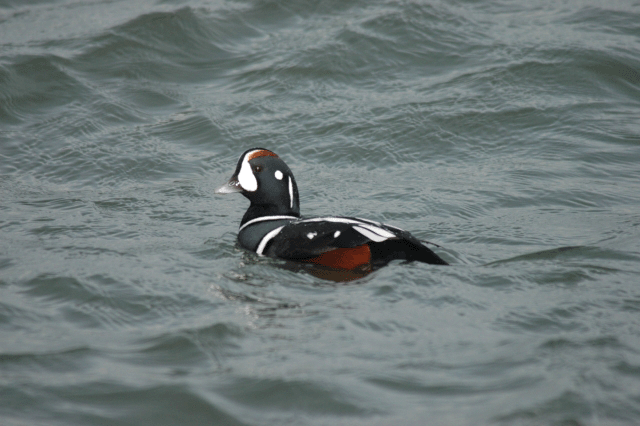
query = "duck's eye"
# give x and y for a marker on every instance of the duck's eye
(257, 169)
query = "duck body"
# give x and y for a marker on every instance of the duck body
(272, 225)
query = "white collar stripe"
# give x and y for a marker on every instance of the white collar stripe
(264, 218)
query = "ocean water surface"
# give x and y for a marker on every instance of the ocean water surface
(506, 132)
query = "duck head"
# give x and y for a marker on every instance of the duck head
(267, 182)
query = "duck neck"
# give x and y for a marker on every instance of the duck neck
(260, 210)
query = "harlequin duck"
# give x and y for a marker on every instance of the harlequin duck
(272, 226)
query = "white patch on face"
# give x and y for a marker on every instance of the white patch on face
(290, 193)
(279, 175)
(310, 235)
(336, 234)
(246, 178)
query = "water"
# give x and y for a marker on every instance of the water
(506, 132)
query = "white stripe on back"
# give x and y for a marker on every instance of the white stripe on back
(365, 227)
(379, 231)
(370, 234)
(333, 219)
(378, 223)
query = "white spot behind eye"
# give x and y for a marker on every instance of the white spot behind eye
(279, 175)
(310, 235)
(336, 234)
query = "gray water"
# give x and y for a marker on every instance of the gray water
(506, 132)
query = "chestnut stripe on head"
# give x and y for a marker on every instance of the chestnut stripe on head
(260, 153)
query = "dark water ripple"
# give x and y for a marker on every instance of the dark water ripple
(507, 133)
